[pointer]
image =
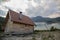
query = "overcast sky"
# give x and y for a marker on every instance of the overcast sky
(33, 7)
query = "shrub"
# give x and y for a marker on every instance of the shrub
(52, 28)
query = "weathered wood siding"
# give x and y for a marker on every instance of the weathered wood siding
(8, 26)
(18, 28)
(21, 28)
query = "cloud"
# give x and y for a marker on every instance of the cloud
(2, 1)
(3, 11)
(35, 7)
(35, 11)
(17, 4)
(14, 5)
(54, 15)
(44, 8)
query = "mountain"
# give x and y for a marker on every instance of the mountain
(38, 19)
(45, 19)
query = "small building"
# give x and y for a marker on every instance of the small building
(17, 23)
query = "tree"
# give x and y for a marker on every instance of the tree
(52, 28)
(2, 20)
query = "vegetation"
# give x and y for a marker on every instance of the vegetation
(48, 38)
(36, 31)
(51, 29)
(1, 23)
(54, 29)
(33, 38)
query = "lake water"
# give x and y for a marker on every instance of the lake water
(45, 26)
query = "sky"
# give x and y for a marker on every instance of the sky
(33, 8)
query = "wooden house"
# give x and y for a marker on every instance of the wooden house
(17, 23)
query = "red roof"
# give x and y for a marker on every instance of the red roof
(15, 18)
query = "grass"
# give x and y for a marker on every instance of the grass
(0, 35)
(33, 38)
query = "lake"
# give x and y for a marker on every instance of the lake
(45, 26)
